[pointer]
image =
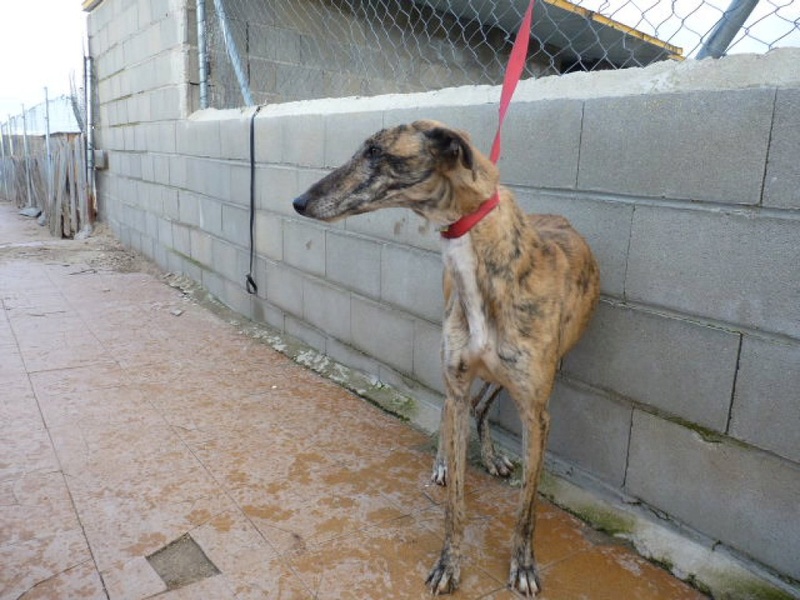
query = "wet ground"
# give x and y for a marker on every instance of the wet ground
(150, 448)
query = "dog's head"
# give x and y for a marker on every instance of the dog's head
(425, 166)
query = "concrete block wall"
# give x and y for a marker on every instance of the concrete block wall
(683, 177)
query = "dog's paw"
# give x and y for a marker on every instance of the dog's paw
(444, 577)
(499, 465)
(439, 474)
(524, 579)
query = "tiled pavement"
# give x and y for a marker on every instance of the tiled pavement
(131, 417)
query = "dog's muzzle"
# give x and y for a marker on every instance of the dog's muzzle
(300, 203)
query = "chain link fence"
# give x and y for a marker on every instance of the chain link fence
(269, 51)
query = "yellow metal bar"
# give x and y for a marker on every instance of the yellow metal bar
(90, 5)
(677, 52)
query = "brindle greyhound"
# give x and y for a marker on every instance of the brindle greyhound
(519, 291)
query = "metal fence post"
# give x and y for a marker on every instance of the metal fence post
(201, 52)
(726, 28)
(233, 53)
(11, 136)
(3, 166)
(26, 157)
(91, 180)
(49, 156)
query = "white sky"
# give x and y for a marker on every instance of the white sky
(685, 23)
(41, 43)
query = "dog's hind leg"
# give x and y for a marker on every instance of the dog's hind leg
(496, 463)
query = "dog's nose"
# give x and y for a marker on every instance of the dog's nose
(300, 204)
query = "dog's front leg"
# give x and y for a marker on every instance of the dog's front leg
(444, 577)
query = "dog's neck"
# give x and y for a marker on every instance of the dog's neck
(485, 259)
(460, 261)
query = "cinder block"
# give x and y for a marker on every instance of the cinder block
(285, 288)
(303, 140)
(239, 186)
(151, 225)
(782, 183)
(661, 145)
(744, 498)
(169, 198)
(177, 171)
(327, 308)
(269, 235)
(428, 355)
(345, 132)
(304, 246)
(165, 233)
(676, 366)
(225, 260)
(236, 225)
(268, 139)
(590, 430)
(160, 256)
(238, 299)
(234, 137)
(189, 208)
(160, 164)
(181, 240)
(165, 135)
(541, 143)
(276, 187)
(386, 334)
(210, 215)
(352, 358)
(208, 177)
(766, 411)
(412, 280)
(606, 226)
(201, 245)
(264, 312)
(165, 104)
(737, 268)
(305, 333)
(214, 283)
(353, 262)
(148, 173)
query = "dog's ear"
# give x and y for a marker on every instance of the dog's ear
(450, 146)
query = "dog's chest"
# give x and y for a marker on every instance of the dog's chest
(459, 259)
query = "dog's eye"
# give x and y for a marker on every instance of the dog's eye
(374, 151)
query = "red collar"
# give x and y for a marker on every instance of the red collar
(467, 222)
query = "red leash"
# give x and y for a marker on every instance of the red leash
(516, 64)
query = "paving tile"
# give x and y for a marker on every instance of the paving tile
(36, 505)
(12, 369)
(249, 564)
(77, 582)
(102, 374)
(133, 580)
(38, 559)
(25, 451)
